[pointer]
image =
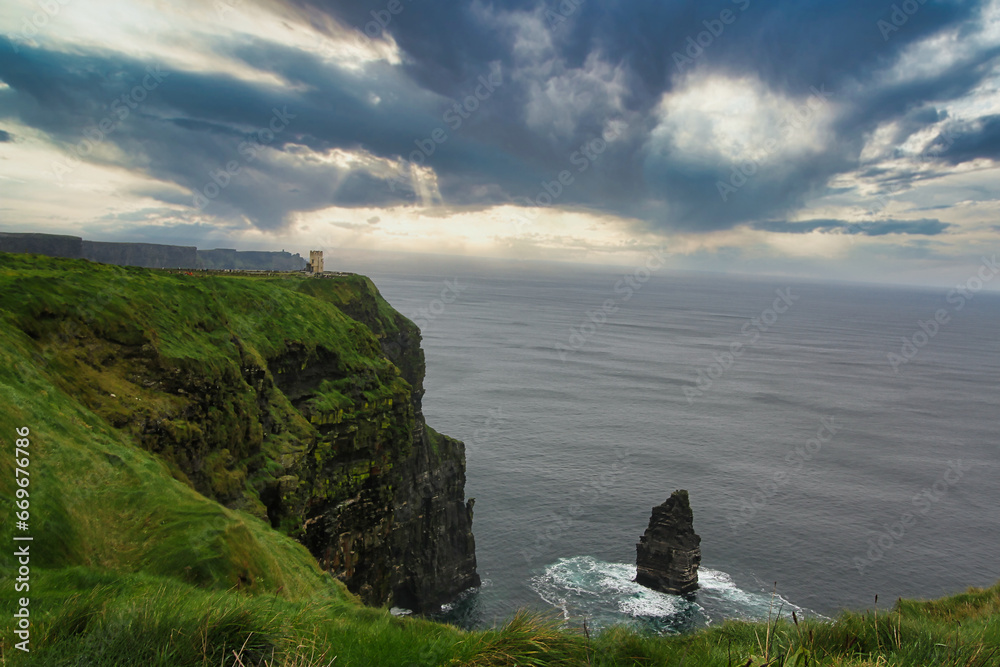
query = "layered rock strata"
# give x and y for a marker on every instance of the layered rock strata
(669, 553)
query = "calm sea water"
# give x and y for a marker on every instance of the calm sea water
(813, 465)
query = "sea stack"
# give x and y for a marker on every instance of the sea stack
(669, 553)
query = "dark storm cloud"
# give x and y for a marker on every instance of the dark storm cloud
(970, 141)
(194, 124)
(924, 227)
(6, 136)
(448, 43)
(912, 100)
(792, 47)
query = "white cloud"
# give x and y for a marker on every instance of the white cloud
(185, 34)
(561, 97)
(713, 119)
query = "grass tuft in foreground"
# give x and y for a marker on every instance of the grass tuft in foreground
(101, 619)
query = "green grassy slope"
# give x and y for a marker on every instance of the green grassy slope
(97, 500)
(131, 565)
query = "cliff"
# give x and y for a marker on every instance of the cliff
(149, 255)
(224, 258)
(294, 400)
(52, 245)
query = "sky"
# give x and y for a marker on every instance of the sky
(852, 140)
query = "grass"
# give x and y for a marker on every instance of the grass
(132, 564)
(110, 619)
(147, 351)
(139, 619)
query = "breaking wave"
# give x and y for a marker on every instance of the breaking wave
(603, 594)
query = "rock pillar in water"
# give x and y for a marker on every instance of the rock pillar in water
(668, 555)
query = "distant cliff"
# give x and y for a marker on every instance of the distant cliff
(223, 258)
(149, 255)
(294, 399)
(52, 245)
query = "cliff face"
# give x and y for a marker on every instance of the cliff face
(53, 245)
(669, 553)
(222, 258)
(297, 400)
(149, 255)
(381, 494)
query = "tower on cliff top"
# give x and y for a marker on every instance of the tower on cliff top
(316, 261)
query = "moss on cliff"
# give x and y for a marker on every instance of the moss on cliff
(280, 397)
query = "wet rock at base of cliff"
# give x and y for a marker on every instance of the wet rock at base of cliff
(669, 553)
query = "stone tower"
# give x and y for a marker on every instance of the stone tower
(316, 261)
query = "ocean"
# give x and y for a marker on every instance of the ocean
(822, 470)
